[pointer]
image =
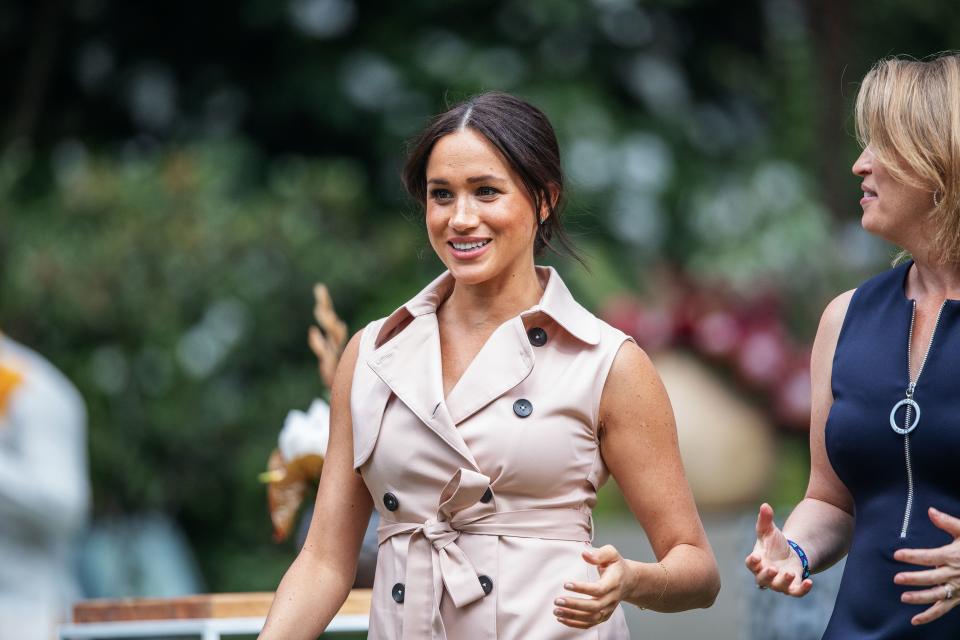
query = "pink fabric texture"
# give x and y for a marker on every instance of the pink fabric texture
(486, 495)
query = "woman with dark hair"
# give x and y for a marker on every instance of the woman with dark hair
(481, 418)
(885, 427)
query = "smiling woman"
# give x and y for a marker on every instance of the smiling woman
(471, 208)
(484, 414)
(526, 152)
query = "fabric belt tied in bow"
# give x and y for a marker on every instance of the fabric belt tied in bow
(433, 544)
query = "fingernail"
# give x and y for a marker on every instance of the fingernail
(556, 612)
(559, 602)
(568, 585)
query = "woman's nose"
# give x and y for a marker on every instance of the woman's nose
(864, 163)
(464, 217)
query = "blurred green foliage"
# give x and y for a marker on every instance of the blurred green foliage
(176, 290)
(174, 180)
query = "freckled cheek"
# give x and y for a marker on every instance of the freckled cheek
(436, 222)
(510, 221)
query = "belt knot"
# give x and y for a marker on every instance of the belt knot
(440, 533)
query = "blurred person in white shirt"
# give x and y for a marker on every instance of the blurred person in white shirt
(44, 492)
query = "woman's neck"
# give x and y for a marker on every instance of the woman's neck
(492, 302)
(932, 279)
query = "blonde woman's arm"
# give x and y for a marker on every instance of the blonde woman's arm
(319, 580)
(822, 524)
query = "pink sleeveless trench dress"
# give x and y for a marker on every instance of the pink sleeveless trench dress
(486, 497)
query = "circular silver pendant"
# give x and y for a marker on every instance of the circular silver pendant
(913, 423)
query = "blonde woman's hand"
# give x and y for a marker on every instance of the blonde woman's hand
(773, 562)
(943, 578)
(603, 595)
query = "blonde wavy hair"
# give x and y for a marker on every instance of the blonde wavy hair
(908, 111)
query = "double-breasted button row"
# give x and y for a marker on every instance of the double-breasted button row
(390, 501)
(392, 504)
(399, 591)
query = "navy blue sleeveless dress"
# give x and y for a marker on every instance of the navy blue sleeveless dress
(876, 464)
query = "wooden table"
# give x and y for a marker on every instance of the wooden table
(209, 616)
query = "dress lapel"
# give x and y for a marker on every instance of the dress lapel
(507, 358)
(504, 361)
(408, 356)
(409, 363)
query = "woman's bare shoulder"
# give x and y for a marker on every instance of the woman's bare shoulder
(831, 322)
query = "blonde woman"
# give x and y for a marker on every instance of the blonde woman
(885, 429)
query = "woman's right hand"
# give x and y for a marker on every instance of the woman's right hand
(775, 565)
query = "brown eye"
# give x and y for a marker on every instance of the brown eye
(487, 192)
(440, 195)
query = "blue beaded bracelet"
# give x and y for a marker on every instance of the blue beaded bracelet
(803, 558)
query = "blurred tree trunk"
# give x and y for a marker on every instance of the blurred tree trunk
(829, 22)
(37, 70)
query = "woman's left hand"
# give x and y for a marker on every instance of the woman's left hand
(944, 578)
(605, 594)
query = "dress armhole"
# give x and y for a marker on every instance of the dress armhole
(606, 364)
(598, 470)
(840, 335)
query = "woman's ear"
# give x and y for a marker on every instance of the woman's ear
(549, 204)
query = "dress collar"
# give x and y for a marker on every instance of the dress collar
(557, 302)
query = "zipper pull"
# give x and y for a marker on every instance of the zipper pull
(913, 385)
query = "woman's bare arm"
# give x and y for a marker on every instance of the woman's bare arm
(319, 580)
(824, 519)
(822, 524)
(639, 445)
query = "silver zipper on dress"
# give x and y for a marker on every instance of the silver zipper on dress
(911, 387)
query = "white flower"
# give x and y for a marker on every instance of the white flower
(306, 433)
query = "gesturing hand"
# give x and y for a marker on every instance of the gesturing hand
(773, 563)
(605, 594)
(944, 578)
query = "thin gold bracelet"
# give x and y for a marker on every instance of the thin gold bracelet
(666, 581)
(666, 575)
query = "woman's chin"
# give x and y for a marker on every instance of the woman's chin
(469, 277)
(467, 273)
(872, 225)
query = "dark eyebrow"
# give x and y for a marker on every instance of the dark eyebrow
(470, 180)
(483, 178)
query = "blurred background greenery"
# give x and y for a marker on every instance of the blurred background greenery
(175, 176)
